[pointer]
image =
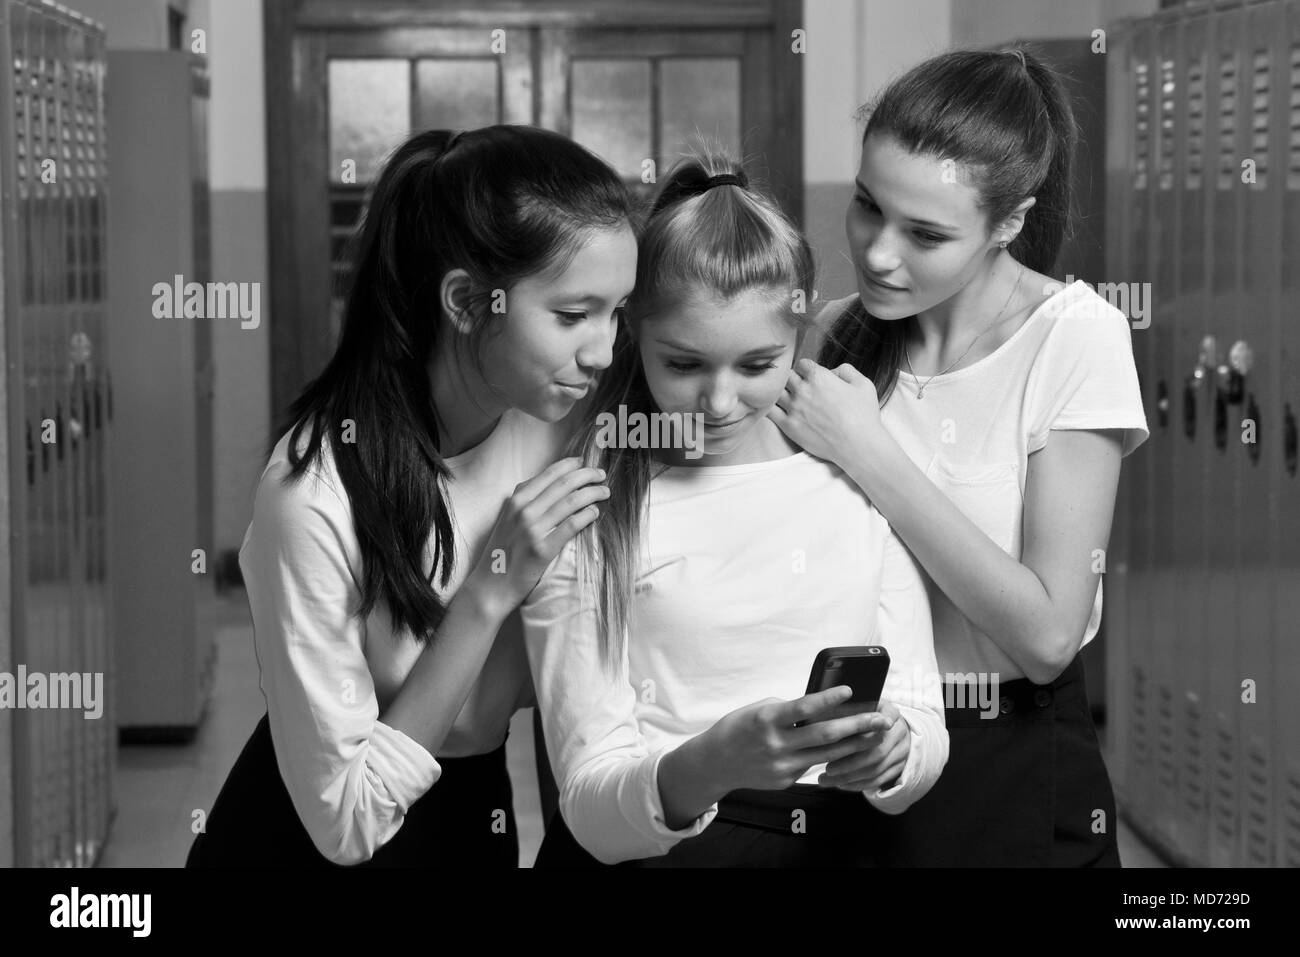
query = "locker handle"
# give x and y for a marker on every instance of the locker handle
(1220, 419)
(31, 457)
(1162, 402)
(1252, 412)
(1289, 440)
(1189, 408)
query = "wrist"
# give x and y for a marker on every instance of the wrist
(872, 457)
(483, 600)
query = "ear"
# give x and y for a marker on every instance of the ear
(453, 296)
(1010, 227)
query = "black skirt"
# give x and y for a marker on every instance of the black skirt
(801, 826)
(465, 820)
(1025, 788)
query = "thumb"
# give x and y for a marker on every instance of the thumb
(848, 373)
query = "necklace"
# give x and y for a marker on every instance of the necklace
(920, 392)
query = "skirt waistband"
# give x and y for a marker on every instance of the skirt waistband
(986, 704)
(824, 811)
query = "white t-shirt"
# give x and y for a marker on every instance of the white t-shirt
(1069, 366)
(327, 675)
(748, 571)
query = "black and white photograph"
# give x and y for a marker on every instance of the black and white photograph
(606, 435)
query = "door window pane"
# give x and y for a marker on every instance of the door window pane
(369, 113)
(698, 98)
(611, 111)
(456, 94)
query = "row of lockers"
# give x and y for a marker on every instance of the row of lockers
(53, 194)
(1203, 203)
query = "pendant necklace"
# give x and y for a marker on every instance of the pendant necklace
(920, 392)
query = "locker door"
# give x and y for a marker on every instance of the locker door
(1138, 468)
(1121, 595)
(1187, 423)
(1254, 359)
(1162, 336)
(1286, 473)
(1224, 699)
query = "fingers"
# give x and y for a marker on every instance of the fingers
(811, 706)
(572, 503)
(565, 531)
(528, 490)
(817, 734)
(556, 501)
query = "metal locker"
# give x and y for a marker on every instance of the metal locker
(1140, 690)
(1226, 224)
(1252, 384)
(45, 49)
(162, 611)
(1186, 420)
(1117, 731)
(1160, 340)
(1285, 471)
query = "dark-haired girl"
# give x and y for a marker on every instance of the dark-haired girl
(984, 409)
(670, 643)
(413, 500)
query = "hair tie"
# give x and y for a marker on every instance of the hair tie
(726, 179)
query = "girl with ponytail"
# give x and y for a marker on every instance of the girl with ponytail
(413, 497)
(984, 409)
(671, 641)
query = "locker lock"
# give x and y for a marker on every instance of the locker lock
(1232, 374)
(1205, 361)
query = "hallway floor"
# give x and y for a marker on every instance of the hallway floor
(157, 789)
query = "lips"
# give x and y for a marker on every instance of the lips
(576, 389)
(879, 284)
(723, 425)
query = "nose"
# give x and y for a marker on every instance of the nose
(718, 399)
(598, 352)
(879, 254)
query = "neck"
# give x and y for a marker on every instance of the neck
(969, 311)
(467, 410)
(763, 443)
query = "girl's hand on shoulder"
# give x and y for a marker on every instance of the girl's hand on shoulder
(534, 525)
(825, 410)
(880, 764)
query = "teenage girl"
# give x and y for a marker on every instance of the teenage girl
(414, 499)
(984, 409)
(670, 652)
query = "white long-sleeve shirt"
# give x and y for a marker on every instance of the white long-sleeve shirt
(748, 571)
(327, 674)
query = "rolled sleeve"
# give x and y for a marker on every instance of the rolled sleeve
(351, 778)
(904, 628)
(608, 778)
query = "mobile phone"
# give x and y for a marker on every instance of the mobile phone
(862, 667)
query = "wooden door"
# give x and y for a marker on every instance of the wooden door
(635, 83)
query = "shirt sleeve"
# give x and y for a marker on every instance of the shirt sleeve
(904, 628)
(1085, 377)
(607, 776)
(351, 777)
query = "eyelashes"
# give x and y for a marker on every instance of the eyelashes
(922, 238)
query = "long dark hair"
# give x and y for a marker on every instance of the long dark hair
(1006, 117)
(502, 203)
(723, 240)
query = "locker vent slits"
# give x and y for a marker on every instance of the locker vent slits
(1224, 794)
(1260, 90)
(1168, 107)
(1193, 787)
(1166, 761)
(1195, 123)
(1142, 124)
(1289, 852)
(1293, 111)
(1258, 788)
(1227, 121)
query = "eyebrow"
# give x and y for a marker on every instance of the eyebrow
(775, 347)
(919, 222)
(589, 300)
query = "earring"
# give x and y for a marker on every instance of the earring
(1003, 244)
